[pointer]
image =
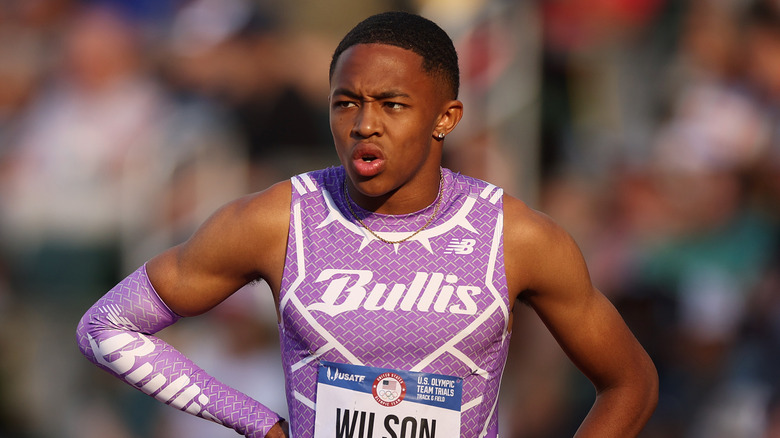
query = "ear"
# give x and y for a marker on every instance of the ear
(452, 112)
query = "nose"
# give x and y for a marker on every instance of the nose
(367, 121)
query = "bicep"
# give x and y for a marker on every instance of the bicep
(241, 242)
(556, 284)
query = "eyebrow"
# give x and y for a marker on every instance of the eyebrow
(390, 94)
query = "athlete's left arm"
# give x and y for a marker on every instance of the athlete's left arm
(546, 269)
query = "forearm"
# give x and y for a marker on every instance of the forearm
(116, 334)
(620, 412)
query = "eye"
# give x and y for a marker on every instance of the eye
(344, 104)
(394, 105)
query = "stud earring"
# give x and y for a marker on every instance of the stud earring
(441, 136)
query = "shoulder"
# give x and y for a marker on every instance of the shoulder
(256, 225)
(526, 226)
(273, 201)
(257, 213)
(242, 226)
(537, 250)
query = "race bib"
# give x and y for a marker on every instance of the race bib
(356, 401)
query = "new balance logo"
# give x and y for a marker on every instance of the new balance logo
(460, 246)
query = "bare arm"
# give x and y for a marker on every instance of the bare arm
(546, 270)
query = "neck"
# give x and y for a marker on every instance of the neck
(409, 236)
(406, 199)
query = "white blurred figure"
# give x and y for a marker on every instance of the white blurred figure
(103, 156)
(95, 126)
(100, 154)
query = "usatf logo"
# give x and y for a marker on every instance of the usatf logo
(460, 246)
(389, 389)
(340, 375)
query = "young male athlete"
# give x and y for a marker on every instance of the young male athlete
(394, 278)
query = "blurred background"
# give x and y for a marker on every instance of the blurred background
(647, 128)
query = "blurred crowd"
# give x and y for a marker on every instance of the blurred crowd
(650, 129)
(661, 154)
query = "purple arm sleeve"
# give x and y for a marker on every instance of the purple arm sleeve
(115, 334)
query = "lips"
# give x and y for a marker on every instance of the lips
(368, 159)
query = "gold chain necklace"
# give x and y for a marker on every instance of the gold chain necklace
(430, 220)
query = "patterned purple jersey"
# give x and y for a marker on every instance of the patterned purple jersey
(437, 303)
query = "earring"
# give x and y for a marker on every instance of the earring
(441, 136)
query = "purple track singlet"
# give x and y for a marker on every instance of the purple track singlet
(433, 309)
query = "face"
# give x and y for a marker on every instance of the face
(385, 115)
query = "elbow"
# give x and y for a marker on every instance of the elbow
(89, 330)
(652, 386)
(83, 337)
(638, 392)
(645, 390)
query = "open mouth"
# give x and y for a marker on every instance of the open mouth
(368, 160)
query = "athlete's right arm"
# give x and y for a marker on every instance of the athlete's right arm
(243, 241)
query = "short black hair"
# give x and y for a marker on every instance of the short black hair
(411, 32)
